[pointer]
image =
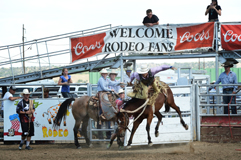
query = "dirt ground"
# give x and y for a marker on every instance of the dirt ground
(192, 151)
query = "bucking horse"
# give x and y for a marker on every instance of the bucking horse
(82, 111)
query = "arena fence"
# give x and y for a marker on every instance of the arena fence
(212, 124)
(202, 108)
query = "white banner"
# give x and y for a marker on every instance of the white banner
(45, 112)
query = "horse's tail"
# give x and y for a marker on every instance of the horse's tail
(167, 107)
(62, 111)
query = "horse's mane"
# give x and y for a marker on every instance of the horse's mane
(132, 100)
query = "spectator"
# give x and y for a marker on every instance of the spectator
(127, 77)
(213, 10)
(46, 93)
(65, 80)
(112, 76)
(151, 19)
(9, 95)
(25, 109)
(228, 77)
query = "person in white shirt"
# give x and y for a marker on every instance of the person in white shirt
(127, 77)
(9, 95)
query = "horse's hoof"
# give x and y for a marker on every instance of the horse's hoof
(121, 147)
(157, 134)
(78, 147)
(108, 146)
(128, 147)
(150, 144)
(91, 145)
(186, 127)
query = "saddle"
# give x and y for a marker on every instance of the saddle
(106, 102)
(141, 91)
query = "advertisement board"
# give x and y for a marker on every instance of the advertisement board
(45, 112)
(142, 39)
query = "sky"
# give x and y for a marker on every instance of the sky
(51, 17)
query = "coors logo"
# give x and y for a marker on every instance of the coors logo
(84, 47)
(188, 37)
(231, 37)
(197, 36)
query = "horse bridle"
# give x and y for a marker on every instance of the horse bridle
(126, 122)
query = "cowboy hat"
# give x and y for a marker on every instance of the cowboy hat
(227, 65)
(113, 72)
(128, 68)
(144, 69)
(103, 71)
(121, 91)
(25, 91)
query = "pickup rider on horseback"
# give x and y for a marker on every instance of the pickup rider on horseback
(102, 86)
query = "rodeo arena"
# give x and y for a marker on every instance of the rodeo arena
(182, 117)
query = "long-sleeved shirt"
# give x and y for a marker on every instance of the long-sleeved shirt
(103, 84)
(154, 71)
(116, 87)
(127, 78)
(231, 78)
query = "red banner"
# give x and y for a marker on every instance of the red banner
(231, 37)
(84, 47)
(195, 36)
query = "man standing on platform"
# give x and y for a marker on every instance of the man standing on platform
(151, 19)
(228, 77)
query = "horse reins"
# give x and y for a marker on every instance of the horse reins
(126, 119)
(142, 106)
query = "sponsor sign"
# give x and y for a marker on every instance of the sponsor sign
(45, 112)
(231, 37)
(142, 39)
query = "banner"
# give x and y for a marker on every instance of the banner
(45, 112)
(231, 37)
(142, 39)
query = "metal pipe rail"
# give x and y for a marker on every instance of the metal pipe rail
(50, 73)
(205, 85)
(218, 105)
(215, 115)
(60, 36)
(42, 84)
(217, 95)
(199, 105)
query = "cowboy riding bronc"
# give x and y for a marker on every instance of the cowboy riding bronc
(145, 80)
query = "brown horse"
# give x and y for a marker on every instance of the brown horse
(135, 103)
(81, 112)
